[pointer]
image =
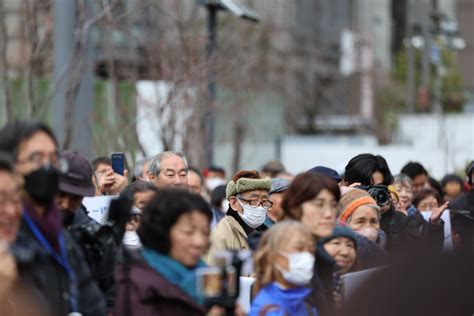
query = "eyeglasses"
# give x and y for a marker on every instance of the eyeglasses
(256, 203)
(38, 159)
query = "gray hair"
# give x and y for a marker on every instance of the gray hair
(156, 161)
(403, 179)
(137, 172)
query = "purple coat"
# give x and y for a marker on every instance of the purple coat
(144, 292)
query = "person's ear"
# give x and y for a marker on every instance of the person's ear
(151, 177)
(234, 204)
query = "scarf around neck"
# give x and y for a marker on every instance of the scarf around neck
(49, 224)
(174, 272)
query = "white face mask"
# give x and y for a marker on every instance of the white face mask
(213, 183)
(253, 216)
(369, 232)
(300, 268)
(131, 240)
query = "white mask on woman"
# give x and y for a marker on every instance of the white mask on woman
(369, 232)
(300, 268)
(253, 216)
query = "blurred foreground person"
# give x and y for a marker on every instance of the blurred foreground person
(161, 278)
(284, 265)
(16, 296)
(312, 199)
(44, 249)
(249, 202)
(446, 291)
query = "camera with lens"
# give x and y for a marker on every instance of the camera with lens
(379, 193)
(219, 285)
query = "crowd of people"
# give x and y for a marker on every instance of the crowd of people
(170, 225)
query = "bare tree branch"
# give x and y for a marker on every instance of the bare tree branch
(6, 98)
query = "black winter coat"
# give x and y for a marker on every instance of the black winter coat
(39, 269)
(409, 233)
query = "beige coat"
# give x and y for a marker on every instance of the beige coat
(227, 235)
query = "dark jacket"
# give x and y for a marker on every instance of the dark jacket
(369, 254)
(322, 296)
(38, 268)
(462, 221)
(99, 253)
(141, 291)
(408, 233)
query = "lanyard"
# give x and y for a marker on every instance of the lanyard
(61, 259)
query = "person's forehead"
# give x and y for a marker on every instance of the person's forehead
(255, 193)
(193, 177)
(38, 142)
(103, 166)
(172, 162)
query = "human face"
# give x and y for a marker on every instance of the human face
(365, 216)
(144, 173)
(453, 189)
(319, 214)
(405, 194)
(295, 241)
(274, 212)
(69, 202)
(173, 173)
(10, 207)
(419, 182)
(342, 249)
(36, 151)
(141, 199)
(189, 238)
(377, 178)
(194, 182)
(255, 195)
(428, 204)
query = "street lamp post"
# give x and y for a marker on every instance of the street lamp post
(213, 7)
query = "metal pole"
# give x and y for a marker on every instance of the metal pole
(211, 83)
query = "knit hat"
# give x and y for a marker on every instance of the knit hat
(351, 201)
(340, 231)
(393, 191)
(247, 184)
(328, 172)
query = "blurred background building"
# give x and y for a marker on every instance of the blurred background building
(311, 72)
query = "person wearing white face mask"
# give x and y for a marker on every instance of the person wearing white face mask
(249, 202)
(284, 265)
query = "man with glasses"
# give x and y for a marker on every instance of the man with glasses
(249, 201)
(50, 258)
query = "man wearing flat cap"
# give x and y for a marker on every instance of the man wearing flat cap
(249, 201)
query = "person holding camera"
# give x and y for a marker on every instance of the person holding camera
(45, 253)
(284, 266)
(160, 278)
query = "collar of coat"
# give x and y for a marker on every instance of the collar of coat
(248, 230)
